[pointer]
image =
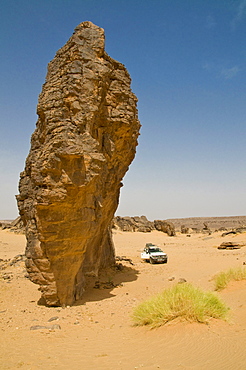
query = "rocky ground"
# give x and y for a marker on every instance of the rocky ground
(98, 333)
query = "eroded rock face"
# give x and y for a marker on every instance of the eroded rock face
(141, 224)
(165, 227)
(85, 139)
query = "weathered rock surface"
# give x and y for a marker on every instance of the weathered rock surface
(230, 245)
(140, 224)
(16, 225)
(85, 139)
(165, 226)
(184, 229)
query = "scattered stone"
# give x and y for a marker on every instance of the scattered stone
(40, 327)
(182, 280)
(119, 266)
(106, 285)
(229, 232)
(55, 327)
(4, 263)
(53, 318)
(171, 278)
(121, 258)
(85, 140)
(7, 276)
(230, 245)
(37, 327)
(18, 258)
(97, 285)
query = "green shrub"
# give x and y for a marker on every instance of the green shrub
(182, 301)
(223, 278)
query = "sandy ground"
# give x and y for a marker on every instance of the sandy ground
(97, 333)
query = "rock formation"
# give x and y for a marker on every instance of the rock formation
(165, 227)
(141, 224)
(85, 139)
(184, 229)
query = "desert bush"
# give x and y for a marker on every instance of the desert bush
(223, 278)
(182, 301)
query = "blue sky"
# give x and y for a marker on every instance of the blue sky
(187, 60)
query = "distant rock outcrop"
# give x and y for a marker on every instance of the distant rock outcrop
(85, 139)
(141, 224)
(165, 227)
(184, 229)
(198, 224)
(16, 225)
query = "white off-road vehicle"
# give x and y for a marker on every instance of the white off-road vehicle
(153, 254)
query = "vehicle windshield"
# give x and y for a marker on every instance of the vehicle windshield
(155, 250)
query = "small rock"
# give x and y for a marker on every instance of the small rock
(53, 318)
(182, 280)
(40, 327)
(171, 278)
(55, 327)
(229, 232)
(229, 245)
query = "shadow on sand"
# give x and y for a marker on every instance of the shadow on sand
(100, 288)
(109, 280)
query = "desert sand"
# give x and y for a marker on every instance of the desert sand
(98, 333)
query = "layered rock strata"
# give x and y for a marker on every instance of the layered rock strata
(85, 139)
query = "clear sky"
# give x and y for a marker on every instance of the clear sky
(187, 60)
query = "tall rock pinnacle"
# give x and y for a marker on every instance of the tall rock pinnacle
(85, 139)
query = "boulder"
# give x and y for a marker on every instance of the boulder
(165, 226)
(184, 229)
(230, 245)
(140, 224)
(85, 139)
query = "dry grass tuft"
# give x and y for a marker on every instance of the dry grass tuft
(223, 278)
(182, 301)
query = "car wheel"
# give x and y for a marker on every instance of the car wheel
(151, 261)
